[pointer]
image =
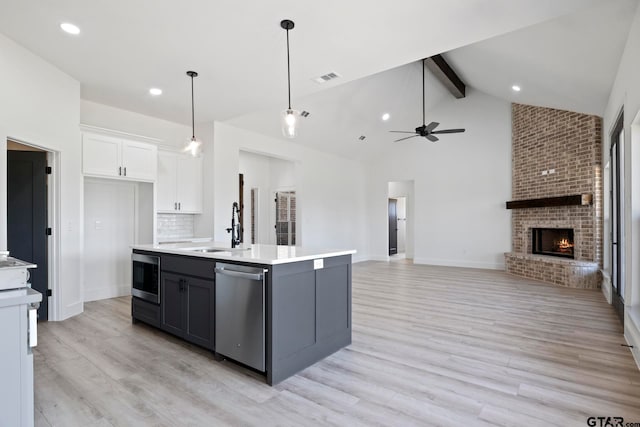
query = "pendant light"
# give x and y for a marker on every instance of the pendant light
(289, 116)
(193, 146)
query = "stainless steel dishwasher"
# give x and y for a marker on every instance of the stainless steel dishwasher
(240, 314)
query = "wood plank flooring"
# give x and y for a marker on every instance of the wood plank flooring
(431, 346)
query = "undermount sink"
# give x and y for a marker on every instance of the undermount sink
(207, 250)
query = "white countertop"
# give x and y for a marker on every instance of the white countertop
(254, 254)
(21, 296)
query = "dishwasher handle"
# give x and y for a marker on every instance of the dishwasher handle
(240, 274)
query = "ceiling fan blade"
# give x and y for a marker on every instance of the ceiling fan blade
(449, 131)
(431, 126)
(432, 138)
(402, 139)
(402, 131)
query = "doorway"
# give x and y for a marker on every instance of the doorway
(616, 156)
(400, 224)
(27, 214)
(285, 218)
(393, 226)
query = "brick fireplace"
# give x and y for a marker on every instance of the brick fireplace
(556, 154)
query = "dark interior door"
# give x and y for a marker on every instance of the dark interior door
(393, 226)
(27, 216)
(617, 261)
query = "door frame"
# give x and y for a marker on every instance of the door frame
(617, 208)
(53, 219)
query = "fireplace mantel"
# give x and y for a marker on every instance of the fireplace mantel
(545, 202)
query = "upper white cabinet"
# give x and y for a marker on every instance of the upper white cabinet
(179, 188)
(113, 157)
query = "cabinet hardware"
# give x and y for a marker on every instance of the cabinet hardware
(125, 171)
(179, 206)
(120, 171)
(175, 206)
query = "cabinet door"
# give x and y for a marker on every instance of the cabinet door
(101, 155)
(171, 303)
(189, 184)
(139, 160)
(166, 184)
(200, 312)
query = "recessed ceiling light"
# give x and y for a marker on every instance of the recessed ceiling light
(70, 28)
(155, 91)
(386, 116)
(515, 88)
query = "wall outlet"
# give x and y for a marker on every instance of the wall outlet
(318, 264)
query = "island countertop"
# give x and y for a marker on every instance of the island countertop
(254, 254)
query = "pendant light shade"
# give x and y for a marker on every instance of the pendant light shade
(193, 146)
(290, 117)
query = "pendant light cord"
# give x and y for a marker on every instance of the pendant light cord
(288, 71)
(193, 123)
(423, 96)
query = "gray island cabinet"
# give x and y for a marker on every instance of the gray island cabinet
(306, 300)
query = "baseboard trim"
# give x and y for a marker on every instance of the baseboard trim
(71, 310)
(606, 286)
(632, 332)
(105, 293)
(456, 263)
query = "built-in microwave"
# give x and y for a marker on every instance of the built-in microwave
(146, 277)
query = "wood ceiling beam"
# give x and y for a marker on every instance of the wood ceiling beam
(441, 69)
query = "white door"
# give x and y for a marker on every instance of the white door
(139, 160)
(166, 198)
(189, 184)
(101, 155)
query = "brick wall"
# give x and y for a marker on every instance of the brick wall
(546, 139)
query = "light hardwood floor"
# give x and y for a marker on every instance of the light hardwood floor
(431, 346)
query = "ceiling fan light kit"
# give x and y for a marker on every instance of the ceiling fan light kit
(290, 116)
(193, 146)
(426, 131)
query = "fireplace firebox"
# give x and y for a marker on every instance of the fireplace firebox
(552, 241)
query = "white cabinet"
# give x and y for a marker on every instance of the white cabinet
(179, 183)
(118, 158)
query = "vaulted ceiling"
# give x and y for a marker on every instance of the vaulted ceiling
(126, 47)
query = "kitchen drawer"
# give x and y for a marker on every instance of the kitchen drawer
(192, 266)
(145, 311)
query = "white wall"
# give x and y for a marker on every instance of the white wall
(626, 93)
(402, 224)
(257, 174)
(461, 185)
(103, 116)
(109, 231)
(330, 189)
(41, 106)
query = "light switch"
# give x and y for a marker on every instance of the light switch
(545, 172)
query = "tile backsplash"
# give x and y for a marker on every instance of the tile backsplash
(175, 226)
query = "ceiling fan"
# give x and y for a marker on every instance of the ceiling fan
(425, 130)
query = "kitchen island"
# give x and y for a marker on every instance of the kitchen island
(274, 309)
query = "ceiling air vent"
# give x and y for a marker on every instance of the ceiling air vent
(326, 77)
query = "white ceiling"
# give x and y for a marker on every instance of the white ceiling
(238, 47)
(569, 62)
